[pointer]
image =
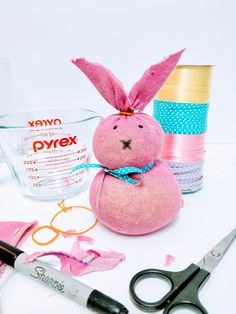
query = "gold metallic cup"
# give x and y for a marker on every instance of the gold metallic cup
(187, 83)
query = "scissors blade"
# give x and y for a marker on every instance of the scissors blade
(213, 257)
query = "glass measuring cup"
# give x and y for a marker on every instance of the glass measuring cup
(4, 89)
(41, 147)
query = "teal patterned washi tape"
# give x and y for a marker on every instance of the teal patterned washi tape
(181, 118)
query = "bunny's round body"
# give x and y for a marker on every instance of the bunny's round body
(136, 210)
(133, 141)
(132, 138)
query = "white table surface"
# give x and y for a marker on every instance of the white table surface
(206, 217)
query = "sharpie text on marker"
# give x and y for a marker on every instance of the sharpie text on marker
(41, 274)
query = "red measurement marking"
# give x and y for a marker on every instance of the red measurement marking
(41, 162)
(34, 177)
(27, 138)
(29, 162)
(46, 177)
(60, 179)
(31, 169)
(61, 170)
(33, 154)
(55, 160)
(37, 185)
(53, 168)
(29, 154)
(46, 184)
(62, 186)
(64, 154)
(46, 129)
(53, 174)
(64, 162)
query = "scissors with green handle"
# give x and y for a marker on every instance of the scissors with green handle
(184, 284)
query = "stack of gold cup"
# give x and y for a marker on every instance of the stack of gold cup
(181, 107)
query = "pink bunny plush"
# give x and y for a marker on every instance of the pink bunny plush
(130, 140)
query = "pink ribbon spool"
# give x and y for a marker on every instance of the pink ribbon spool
(183, 147)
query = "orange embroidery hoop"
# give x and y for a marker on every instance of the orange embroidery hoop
(59, 231)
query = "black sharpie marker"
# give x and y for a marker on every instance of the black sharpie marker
(63, 284)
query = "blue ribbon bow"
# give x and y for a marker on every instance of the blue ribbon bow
(120, 173)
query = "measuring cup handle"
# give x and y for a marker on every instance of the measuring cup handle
(57, 233)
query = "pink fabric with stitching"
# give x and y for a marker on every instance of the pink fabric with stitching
(79, 261)
(15, 233)
(123, 207)
(152, 80)
(142, 92)
(106, 83)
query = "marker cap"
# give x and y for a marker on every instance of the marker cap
(8, 253)
(101, 303)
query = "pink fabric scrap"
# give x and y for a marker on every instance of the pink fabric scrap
(15, 233)
(80, 262)
(169, 260)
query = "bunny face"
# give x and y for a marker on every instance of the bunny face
(127, 141)
(123, 140)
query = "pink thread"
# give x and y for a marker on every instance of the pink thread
(183, 147)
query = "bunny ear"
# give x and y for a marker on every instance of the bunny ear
(105, 82)
(151, 81)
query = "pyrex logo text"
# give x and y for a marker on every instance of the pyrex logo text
(45, 122)
(65, 141)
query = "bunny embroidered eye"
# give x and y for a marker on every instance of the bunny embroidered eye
(140, 126)
(115, 127)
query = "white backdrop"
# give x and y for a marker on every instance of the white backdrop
(41, 36)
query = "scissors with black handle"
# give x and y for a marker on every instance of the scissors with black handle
(184, 284)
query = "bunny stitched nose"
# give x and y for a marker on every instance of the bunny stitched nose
(126, 144)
